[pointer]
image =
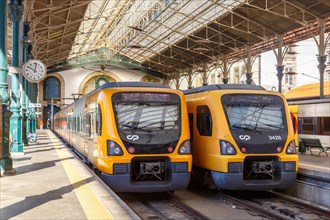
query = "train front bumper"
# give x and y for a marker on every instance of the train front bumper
(236, 181)
(123, 183)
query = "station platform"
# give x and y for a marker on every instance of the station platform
(52, 183)
(315, 165)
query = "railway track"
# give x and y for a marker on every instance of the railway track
(160, 206)
(275, 205)
(314, 181)
(264, 204)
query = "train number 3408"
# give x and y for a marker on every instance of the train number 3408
(275, 137)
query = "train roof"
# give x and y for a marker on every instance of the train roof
(122, 84)
(222, 87)
(307, 92)
(134, 84)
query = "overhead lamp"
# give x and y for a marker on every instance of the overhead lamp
(201, 49)
(135, 28)
(76, 96)
(202, 41)
(135, 46)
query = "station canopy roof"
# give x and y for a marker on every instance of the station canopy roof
(164, 36)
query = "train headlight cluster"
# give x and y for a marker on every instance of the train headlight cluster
(185, 148)
(114, 149)
(291, 149)
(227, 148)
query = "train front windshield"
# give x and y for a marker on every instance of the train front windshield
(144, 119)
(254, 112)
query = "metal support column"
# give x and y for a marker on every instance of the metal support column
(28, 93)
(190, 79)
(248, 65)
(33, 94)
(279, 76)
(25, 105)
(279, 57)
(177, 82)
(16, 9)
(321, 67)
(6, 163)
(205, 75)
(225, 69)
(321, 57)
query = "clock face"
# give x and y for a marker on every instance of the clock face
(34, 70)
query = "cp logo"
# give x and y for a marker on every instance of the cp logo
(244, 137)
(133, 137)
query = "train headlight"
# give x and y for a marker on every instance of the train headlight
(114, 149)
(185, 148)
(227, 148)
(291, 149)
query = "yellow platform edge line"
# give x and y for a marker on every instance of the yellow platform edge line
(314, 166)
(91, 204)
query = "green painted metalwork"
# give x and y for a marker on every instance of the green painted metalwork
(33, 94)
(6, 163)
(107, 57)
(16, 11)
(24, 110)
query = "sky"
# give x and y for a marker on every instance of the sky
(306, 63)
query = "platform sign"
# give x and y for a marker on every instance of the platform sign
(35, 105)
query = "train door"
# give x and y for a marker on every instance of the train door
(204, 127)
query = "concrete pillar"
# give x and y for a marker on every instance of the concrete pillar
(6, 163)
(16, 9)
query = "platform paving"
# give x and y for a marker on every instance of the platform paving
(51, 183)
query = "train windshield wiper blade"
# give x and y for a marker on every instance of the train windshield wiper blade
(247, 128)
(135, 127)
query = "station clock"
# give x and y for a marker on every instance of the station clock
(34, 71)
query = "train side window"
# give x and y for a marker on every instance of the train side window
(306, 125)
(323, 126)
(69, 122)
(98, 121)
(83, 122)
(78, 123)
(89, 125)
(204, 120)
(191, 125)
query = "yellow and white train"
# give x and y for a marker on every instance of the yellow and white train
(311, 113)
(134, 135)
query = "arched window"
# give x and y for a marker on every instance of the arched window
(95, 83)
(52, 88)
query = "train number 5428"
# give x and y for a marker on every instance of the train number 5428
(275, 137)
